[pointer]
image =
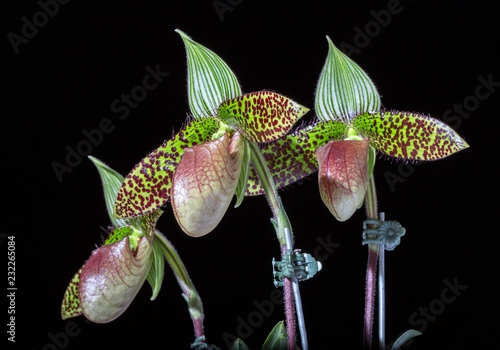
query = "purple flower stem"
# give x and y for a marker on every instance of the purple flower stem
(371, 270)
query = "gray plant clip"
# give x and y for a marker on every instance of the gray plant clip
(199, 344)
(388, 233)
(301, 265)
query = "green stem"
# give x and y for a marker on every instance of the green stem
(371, 270)
(266, 179)
(195, 305)
(281, 222)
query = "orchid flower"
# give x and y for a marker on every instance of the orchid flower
(352, 127)
(207, 162)
(342, 146)
(113, 275)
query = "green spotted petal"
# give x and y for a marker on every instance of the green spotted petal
(118, 234)
(409, 135)
(292, 158)
(71, 302)
(261, 116)
(147, 187)
(210, 80)
(344, 90)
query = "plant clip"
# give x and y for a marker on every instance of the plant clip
(295, 264)
(199, 344)
(388, 233)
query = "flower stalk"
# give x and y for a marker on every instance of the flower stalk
(371, 270)
(281, 222)
(189, 292)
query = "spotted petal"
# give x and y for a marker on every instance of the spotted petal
(343, 176)
(147, 187)
(292, 157)
(262, 116)
(409, 135)
(71, 301)
(205, 182)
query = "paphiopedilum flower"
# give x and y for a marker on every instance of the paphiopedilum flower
(205, 164)
(351, 128)
(134, 251)
(113, 275)
(111, 278)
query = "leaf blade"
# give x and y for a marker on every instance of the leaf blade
(156, 272)
(277, 339)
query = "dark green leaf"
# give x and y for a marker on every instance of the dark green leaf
(277, 339)
(155, 274)
(239, 345)
(404, 338)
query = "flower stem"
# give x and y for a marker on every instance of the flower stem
(373, 250)
(371, 270)
(195, 305)
(281, 222)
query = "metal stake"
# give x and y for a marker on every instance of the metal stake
(381, 292)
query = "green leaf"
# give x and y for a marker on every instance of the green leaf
(292, 157)
(344, 90)
(111, 183)
(404, 338)
(277, 339)
(155, 273)
(243, 179)
(175, 262)
(147, 187)
(409, 135)
(372, 157)
(261, 116)
(239, 345)
(210, 80)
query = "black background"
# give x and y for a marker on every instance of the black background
(427, 58)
